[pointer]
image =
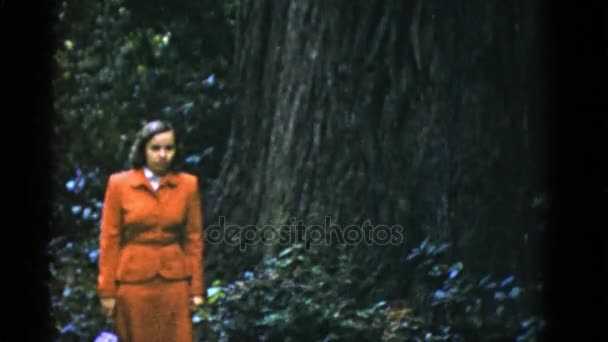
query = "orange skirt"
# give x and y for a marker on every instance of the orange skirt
(155, 311)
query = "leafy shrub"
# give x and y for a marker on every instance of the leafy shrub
(291, 297)
(460, 306)
(75, 307)
(294, 297)
(298, 296)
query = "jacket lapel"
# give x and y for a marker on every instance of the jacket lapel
(139, 180)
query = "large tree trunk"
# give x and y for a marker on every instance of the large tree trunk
(411, 113)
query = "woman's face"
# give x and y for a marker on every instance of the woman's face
(160, 151)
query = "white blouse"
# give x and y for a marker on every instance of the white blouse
(154, 180)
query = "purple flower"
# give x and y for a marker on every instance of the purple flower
(106, 336)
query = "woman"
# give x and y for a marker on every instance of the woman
(151, 247)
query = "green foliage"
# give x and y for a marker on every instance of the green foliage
(291, 297)
(74, 301)
(461, 305)
(113, 75)
(297, 296)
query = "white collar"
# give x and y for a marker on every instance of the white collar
(150, 175)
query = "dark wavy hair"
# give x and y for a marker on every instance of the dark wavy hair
(137, 156)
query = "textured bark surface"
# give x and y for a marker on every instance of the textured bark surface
(416, 113)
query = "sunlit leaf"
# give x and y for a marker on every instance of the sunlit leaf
(499, 310)
(285, 252)
(379, 304)
(187, 107)
(285, 262)
(209, 81)
(414, 253)
(490, 285)
(528, 322)
(440, 294)
(499, 295)
(424, 242)
(507, 281)
(193, 159)
(70, 185)
(514, 293)
(455, 269)
(207, 152)
(166, 38)
(69, 328)
(212, 291)
(484, 280)
(86, 213)
(442, 248)
(76, 209)
(363, 314)
(93, 255)
(435, 271)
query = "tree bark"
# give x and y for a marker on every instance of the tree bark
(422, 114)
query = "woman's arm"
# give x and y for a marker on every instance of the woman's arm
(109, 242)
(193, 244)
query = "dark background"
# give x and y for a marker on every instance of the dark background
(575, 251)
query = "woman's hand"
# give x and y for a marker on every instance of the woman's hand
(196, 301)
(107, 306)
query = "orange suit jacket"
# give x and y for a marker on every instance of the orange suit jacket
(146, 233)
